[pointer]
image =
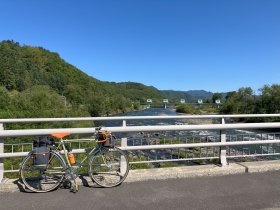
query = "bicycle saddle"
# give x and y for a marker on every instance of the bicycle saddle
(60, 135)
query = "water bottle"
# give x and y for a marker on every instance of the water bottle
(71, 156)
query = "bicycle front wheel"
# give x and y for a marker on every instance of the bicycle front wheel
(43, 178)
(109, 167)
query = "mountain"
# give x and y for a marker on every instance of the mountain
(24, 67)
(28, 72)
(200, 94)
(175, 96)
(189, 96)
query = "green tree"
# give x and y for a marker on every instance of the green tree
(241, 102)
(4, 99)
(216, 96)
(269, 101)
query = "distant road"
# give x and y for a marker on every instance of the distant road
(247, 191)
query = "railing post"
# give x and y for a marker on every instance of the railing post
(223, 151)
(123, 161)
(1, 151)
(124, 140)
(124, 123)
(123, 144)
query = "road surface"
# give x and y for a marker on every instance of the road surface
(243, 191)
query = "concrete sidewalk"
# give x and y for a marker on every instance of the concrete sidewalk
(178, 172)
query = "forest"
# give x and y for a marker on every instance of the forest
(242, 101)
(35, 82)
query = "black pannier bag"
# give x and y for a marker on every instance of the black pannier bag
(106, 139)
(110, 141)
(41, 150)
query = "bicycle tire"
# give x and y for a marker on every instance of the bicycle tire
(109, 167)
(46, 178)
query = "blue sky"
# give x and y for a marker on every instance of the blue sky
(215, 45)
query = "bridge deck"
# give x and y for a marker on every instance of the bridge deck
(239, 191)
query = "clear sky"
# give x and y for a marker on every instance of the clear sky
(216, 45)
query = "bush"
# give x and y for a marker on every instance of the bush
(187, 109)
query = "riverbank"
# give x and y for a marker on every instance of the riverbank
(196, 121)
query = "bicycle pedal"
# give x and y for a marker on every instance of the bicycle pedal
(66, 184)
(73, 191)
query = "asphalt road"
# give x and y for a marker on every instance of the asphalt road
(247, 191)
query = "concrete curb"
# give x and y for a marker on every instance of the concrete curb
(202, 170)
(11, 185)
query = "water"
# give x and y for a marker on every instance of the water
(146, 112)
(172, 112)
(151, 122)
(147, 138)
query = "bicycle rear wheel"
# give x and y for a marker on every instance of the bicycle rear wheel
(43, 178)
(109, 167)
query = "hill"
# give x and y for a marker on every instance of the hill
(175, 96)
(200, 94)
(189, 96)
(24, 67)
(27, 72)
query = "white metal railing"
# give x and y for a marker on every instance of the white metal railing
(20, 120)
(164, 146)
(127, 129)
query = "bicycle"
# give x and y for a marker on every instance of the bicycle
(107, 167)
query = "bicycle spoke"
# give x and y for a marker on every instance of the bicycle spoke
(105, 168)
(42, 178)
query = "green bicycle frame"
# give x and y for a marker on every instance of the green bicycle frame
(92, 151)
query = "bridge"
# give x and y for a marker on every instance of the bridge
(166, 103)
(165, 143)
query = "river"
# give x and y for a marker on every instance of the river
(170, 112)
(190, 136)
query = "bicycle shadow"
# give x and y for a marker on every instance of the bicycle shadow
(21, 186)
(65, 185)
(87, 182)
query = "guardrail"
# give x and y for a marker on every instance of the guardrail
(222, 144)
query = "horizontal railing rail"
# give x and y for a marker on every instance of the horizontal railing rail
(25, 120)
(126, 129)
(165, 146)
